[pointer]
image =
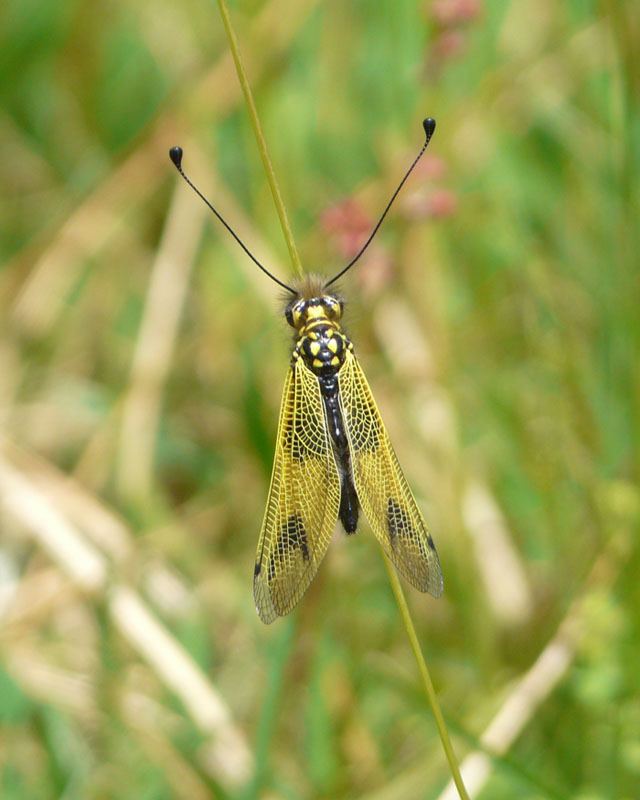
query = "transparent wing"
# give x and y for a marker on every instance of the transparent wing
(384, 494)
(304, 499)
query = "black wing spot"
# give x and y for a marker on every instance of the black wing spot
(293, 537)
(397, 521)
(399, 524)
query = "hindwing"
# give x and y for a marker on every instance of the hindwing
(304, 499)
(382, 489)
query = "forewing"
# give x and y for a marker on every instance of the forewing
(384, 494)
(304, 499)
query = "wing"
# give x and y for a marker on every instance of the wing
(384, 494)
(304, 499)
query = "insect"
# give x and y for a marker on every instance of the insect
(333, 455)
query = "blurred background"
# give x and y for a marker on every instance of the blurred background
(142, 359)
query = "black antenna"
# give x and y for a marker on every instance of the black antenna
(175, 154)
(429, 126)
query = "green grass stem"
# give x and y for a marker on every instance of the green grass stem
(426, 677)
(297, 266)
(262, 145)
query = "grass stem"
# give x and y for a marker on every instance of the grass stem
(426, 677)
(262, 145)
(297, 266)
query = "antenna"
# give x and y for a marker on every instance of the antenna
(429, 126)
(175, 154)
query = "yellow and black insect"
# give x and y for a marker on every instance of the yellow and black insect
(333, 455)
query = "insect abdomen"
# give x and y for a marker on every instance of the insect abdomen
(349, 504)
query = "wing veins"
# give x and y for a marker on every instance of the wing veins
(382, 489)
(303, 498)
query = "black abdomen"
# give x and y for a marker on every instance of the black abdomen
(349, 505)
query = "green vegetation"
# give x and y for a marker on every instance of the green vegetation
(141, 363)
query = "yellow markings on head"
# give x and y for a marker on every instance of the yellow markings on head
(333, 344)
(317, 363)
(315, 348)
(310, 312)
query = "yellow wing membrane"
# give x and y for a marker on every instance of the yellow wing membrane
(304, 499)
(383, 492)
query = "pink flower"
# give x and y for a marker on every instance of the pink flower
(454, 12)
(439, 203)
(442, 203)
(447, 45)
(431, 167)
(349, 226)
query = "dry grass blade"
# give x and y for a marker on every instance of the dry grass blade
(154, 349)
(521, 704)
(87, 229)
(80, 507)
(505, 580)
(63, 541)
(540, 680)
(231, 757)
(139, 383)
(83, 564)
(183, 777)
(417, 360)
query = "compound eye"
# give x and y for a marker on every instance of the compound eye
(288, 313)
(298, 313)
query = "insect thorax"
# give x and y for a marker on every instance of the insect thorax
(322, 347)
(320, 341)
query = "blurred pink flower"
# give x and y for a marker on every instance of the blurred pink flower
(442, 203)
(432, 167)
(438, 203)
(448, 45)
(454, 12)
(345, 214)
(376, 271)
(348, 225)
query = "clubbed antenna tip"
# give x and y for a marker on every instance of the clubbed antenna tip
(429, 125)
(175, 154)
